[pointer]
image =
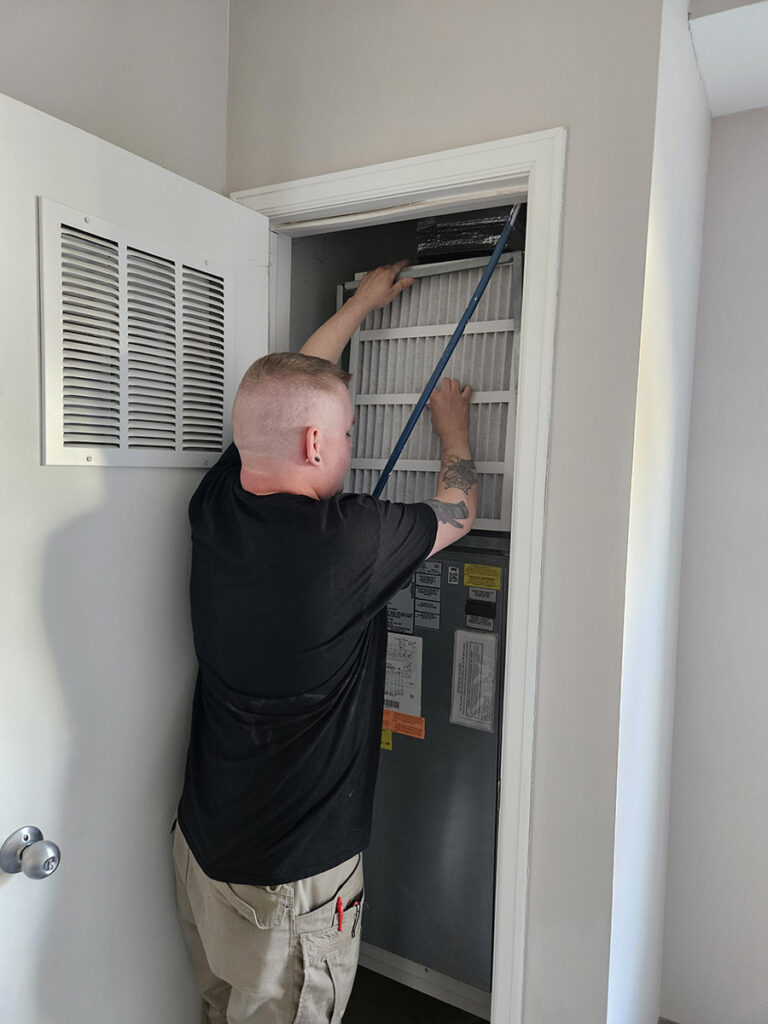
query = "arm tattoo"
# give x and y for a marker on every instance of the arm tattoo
(448, 512)
(459, 473)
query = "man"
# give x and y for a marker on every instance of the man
(290, 581)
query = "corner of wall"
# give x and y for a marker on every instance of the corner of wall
(657, 502)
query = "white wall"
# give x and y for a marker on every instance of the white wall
(98, 664)
(149, 76)
(665, 380)
(716, 931)
(321, 87)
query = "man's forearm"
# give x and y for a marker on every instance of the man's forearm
(458, 472)
(457, 482)
(329, 340)
(376, 289)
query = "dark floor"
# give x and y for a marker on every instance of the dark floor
(377, 1000)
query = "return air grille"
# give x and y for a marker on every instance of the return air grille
(90, 339)
(151, 351)
(392, 357)
(203, 361)
(136, 345)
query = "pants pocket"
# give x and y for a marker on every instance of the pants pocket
(329, 963)
(259, 905)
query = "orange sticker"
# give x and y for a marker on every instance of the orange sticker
(406, 725)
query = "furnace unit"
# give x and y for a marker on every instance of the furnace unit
(430, 868)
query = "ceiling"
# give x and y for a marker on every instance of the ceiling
(732, 50)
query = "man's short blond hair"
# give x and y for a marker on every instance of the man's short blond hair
(307, 371)
(279, 397)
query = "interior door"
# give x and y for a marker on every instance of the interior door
(98, 665)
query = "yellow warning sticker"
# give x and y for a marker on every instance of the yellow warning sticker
(386, 739)
(488, 576)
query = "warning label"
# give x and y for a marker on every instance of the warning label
(406, 725)
(486, 576)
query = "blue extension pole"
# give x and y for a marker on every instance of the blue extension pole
(456, 337)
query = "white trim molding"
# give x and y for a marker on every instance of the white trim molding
(424, 979)
(531, 167)
(485, 174)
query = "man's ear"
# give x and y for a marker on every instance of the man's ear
(311, 445)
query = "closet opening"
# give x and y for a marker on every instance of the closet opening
(428, 925)
(528, 168)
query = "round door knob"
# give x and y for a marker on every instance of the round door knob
(26, 850)
(40, 859)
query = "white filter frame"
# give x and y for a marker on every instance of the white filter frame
(503, 394)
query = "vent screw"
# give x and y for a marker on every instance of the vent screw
(89, 458)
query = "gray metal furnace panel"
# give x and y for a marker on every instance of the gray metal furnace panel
(430, 869)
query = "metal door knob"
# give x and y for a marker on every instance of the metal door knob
(26, 850)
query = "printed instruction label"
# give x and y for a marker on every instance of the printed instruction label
(479, 622)
(453, 574)
(402, 686)
(486, 576)
(482, 594)
(400, 610)
(427, 619)
(473, 686)
(428, 581)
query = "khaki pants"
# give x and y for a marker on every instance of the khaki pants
(271, 954)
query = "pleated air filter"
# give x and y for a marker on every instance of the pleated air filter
(136, 346)
(392, 357)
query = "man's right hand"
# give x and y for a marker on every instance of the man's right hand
(375, 290)
(380, 286)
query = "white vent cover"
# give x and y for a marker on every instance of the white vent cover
(392, 357)
(137, 346)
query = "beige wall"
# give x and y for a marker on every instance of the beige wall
(147, 75)
(716, 929)
(320, 87)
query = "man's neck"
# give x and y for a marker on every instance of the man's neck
(262, 483)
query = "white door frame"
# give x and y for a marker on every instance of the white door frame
(488, 174)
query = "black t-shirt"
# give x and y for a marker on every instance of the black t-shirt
(288, 598)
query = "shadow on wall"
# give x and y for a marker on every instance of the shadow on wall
(116, 618)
